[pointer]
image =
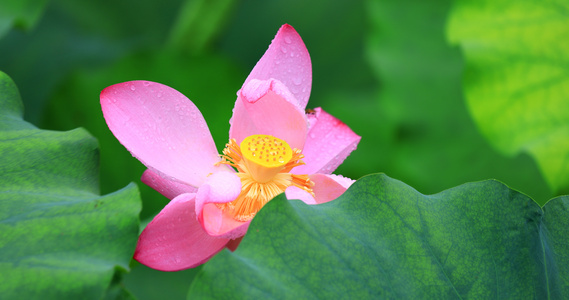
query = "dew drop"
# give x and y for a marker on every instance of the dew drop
(297, 80)
(132, 88)
(283, 49)
(287, 40)
(146, 83)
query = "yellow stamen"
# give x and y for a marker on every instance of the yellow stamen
(263, 163)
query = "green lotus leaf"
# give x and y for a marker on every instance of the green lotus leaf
(59, 239)
(516, 79)
(384, 240)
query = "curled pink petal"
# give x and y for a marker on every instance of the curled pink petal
(220, 224)
(329, 187)
(272, 114)
(175, 240)
(168, 188)
(220, 187)
(255, 89)
(288, 61)
(295, 193)
(162, 128)
(328, 143)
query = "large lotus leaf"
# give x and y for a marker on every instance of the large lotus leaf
(516, 78)
(59, 239)
(384, 240)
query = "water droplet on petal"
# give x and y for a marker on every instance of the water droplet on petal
(283, 49)
(146, 83)
(132, 88)
(297, 80)
(287, 40)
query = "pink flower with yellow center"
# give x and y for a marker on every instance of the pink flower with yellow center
(274, 147)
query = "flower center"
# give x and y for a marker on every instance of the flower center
(263, 163)
(265, 156)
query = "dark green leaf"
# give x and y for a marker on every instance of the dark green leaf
(516, 77)
(198, 23)
(22, 14)
(58, 238)
(384, 240)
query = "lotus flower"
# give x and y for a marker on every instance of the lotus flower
(274, 147)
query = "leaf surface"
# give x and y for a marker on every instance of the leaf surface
(516, 79)
(59, 239)
(384, 240)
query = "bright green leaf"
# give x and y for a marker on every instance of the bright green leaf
(384, 240)
(516, 79)
(58, 238)
(427, 137)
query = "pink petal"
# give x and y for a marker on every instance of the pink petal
(233, 244)
(175, 240)
(288, 61)
(328, 143)
(170, 189)
(329, 187)
(272, 114)
(162, 128)
(295, 193)
(220, 187)
(220, 224)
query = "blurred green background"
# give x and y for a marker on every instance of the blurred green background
(383, 67)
